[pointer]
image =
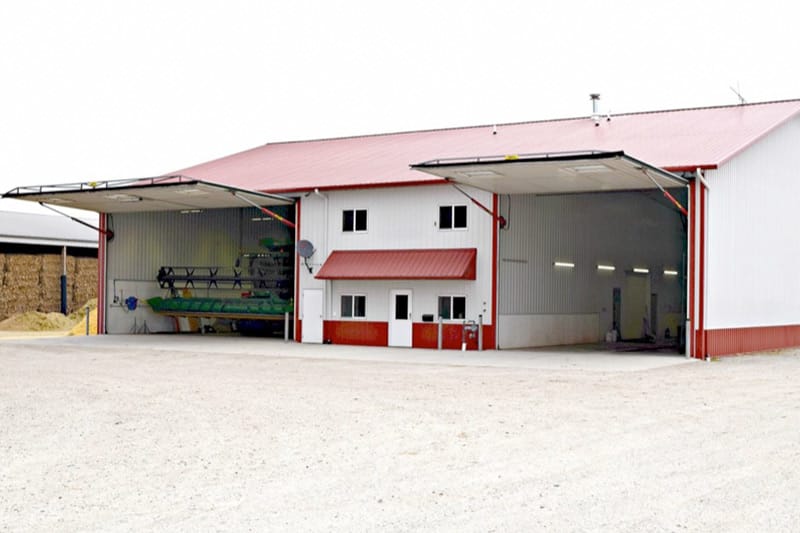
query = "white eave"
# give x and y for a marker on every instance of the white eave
(557, 173)
(170, 193)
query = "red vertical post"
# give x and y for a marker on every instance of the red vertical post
(495, 235)
(692, 266)
(297, 326)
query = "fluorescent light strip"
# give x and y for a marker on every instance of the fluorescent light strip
(607, 268)
(670, 272)
(641, 270)
(564, 264)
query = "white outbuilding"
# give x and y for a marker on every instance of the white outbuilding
(674, 228)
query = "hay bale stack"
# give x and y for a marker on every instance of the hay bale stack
(3, 298)
(20, 288)
(82, 281)
(50, 284)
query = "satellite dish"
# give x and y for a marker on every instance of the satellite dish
(305, 249)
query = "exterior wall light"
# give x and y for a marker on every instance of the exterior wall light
(638, 270)
(563, 264)
(670, 272)
(607, 268)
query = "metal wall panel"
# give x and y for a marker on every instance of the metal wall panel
(398, 218)
(627, 230)
(753, 219)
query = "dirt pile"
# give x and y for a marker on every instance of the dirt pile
(36, 321)
(74, 323)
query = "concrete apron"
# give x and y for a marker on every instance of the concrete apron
(557, 358)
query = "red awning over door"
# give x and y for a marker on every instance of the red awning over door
(451, 263)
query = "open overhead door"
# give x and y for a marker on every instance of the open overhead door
(558, 173)
(587, 247)
(185, 249)
(170, 193)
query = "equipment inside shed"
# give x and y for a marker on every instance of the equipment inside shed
(207, 271)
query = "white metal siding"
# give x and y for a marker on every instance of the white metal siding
(753, 219)
(626, 230)
(146, 241)
(399, 218)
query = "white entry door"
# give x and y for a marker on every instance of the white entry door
(400, 325)
(312, 315)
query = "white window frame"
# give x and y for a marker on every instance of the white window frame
(355, 210)
(451, 296)
(352, 297)
(452, 217)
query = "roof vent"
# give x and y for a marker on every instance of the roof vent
(595, 97)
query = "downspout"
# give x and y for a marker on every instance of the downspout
(326, 295)
(703, 191)
(688, 330)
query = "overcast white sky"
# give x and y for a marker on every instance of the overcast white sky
(99, 89)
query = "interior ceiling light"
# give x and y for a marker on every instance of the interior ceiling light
(477, 173)
(190, 211)
(609, 268)
(261, 219)
(121, 197)
(191, 192)
(58, 201)
(670, 272)
(564, 264)
(639, 270)
(590, 169)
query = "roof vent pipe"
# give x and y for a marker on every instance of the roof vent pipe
(595, 97)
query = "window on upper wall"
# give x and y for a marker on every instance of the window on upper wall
(354, 220)
(354, 306)
(452, 217)
(453, 307)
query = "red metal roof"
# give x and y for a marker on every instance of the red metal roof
(681, 139)
(451, 263)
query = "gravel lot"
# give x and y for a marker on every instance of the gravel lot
(135, 438)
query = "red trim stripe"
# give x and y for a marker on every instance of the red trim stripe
(742, 340)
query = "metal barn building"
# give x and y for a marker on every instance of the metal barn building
(662, 226)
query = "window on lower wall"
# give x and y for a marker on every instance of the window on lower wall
(354, 220)
(453, 217)
(453, 307)
(354, 306)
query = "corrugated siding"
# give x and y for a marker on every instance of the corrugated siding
(399, 218)
(753, 219)
(622, 229)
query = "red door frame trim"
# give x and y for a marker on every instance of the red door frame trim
(495, 236)
(692, 264)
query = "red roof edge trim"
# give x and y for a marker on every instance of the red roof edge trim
(432, 181)
(691, 168)
(419, 264)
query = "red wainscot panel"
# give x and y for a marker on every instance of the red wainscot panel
(424, 336)
(356, 332)
(741, 340)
